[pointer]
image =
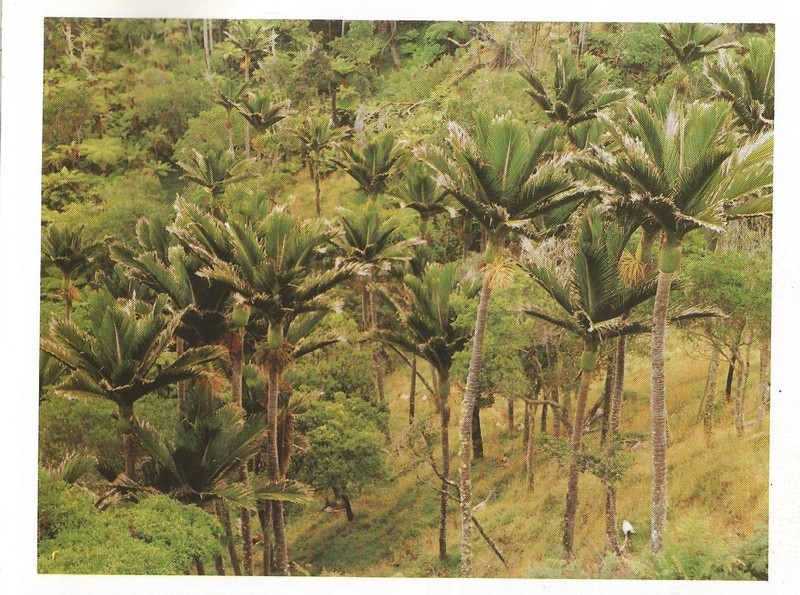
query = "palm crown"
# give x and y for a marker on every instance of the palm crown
(118, 358)
(373, 164)
(505, 176)
(578, 94)
(678, 166)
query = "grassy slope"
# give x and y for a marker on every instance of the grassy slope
(719, 492)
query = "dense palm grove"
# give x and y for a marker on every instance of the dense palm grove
(253, 229)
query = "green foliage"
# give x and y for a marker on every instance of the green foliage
(345, 367)
(695, 551)
(344, 445)
(155, 536)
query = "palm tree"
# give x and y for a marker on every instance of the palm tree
(678, 167)
(691, 42)
(117, 359)
(749, 84)
(317, 136)
(200, 464)
(251, 41)
(505, 178)
(73, 255)
(596, 302)
(172, 271)
(214, 172)
(259, 110)
(578, 94)
(429, 319)
(418, 191)
(373, 164)
(275, 266)
(372, 242)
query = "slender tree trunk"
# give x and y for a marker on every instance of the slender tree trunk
(465, 426)
(711, 394)
(658, 411)
(444, 430)
(614, 419)
(318, 201)
(273, 474)
(225, 518)
(543, 428)
(128, 440)
(530, 450)
(477, 436)
(348, 509)
(739, 402)
(588, 362)
(264, 514)
(219, 565)
(526, 424)
(207, 48)
(377, 360)
(412, 391)
(737, 342)
(67, 285)
(199, 566)
(607, 390)
(246, 123)
(763, 380)
(510, 415)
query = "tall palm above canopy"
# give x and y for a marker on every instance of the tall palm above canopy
(748, 83)
(276, 266)
(432, 335)
(373, 164)
(317, 137)
(72, 253)
(505, 176)
(678, 166)
(596, 302)
(118, 358)
(373, 243)
(577, 95)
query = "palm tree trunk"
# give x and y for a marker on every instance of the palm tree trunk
(763, 381)
(225, 519)
(737, 342)
(207, 48)
(315, 177)
(477, 435)
(526, 424)
(658, 411)
(588, 362)
(510, 415)
(710, 401)
(608, 388)
(614, 418)
(412, 391)
(444, 429)
(273, 474)
(128, 440)
(738, 405)
(465, 426)
(376, 353)
(246, 123)
(264, 514)
(199, 566)
(219, 565)
(348, 509)
(529, 449)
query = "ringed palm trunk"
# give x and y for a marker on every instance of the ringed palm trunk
(763, 380)
(711, 395)
(614, 417)
(224, 517)
(444, 428)
(658, 410)
(128, 440)
(273, 474)
(588, 363)
(465, 426)
(236, 350)
(264, 516)
(412, 390)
